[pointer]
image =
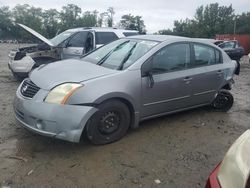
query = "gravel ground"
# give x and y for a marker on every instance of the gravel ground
(179, 150)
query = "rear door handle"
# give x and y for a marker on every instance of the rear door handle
(219, 72)
(186, 79)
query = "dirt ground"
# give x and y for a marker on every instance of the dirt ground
(179, 150)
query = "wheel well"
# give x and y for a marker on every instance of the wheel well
(130, 107)
(227, 87)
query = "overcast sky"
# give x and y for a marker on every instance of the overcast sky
(157, 14)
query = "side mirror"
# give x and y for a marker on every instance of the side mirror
(147, 72)
(146, 69)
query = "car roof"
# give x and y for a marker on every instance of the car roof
(158, 38)
(171, 39)
(103, 29)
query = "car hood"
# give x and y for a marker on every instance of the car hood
(70, 70)
(235, 167)
(37, 35)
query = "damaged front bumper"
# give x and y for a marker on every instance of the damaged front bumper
(22, 66)
(64, 122)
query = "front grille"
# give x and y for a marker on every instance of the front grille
(29, 89)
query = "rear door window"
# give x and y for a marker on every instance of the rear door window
(105, 37)
(204, 55)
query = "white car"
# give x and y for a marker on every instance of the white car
(234, 170)
(71, 43)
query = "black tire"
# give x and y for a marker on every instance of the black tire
(109, 124)
(223, 101)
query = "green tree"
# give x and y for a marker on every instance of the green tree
(207, 22)
(29, 16)
(51, 22)
(129, 21)
(5, 22)
(101, 19)
(165, 32)
(110, 19)
(88, 19)
(242, 23)
(69, 16)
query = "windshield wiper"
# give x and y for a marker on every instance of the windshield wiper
(125, 59)
(108, 54)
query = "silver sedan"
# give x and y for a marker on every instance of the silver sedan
(122, 83)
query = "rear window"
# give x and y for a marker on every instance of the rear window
(127, 34)
(105, 37)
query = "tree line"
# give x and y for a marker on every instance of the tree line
(51, 22)
(208, 21)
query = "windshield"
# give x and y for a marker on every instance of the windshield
(61, 37)
(120, 54)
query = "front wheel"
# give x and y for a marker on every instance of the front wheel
(223, 101)
(110, 123)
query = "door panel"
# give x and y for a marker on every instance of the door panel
(78, 45)
(168, 87)
(72, 52)
(213, 78)
(171, 91)
(208, 76)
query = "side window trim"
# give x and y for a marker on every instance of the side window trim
(149, 60)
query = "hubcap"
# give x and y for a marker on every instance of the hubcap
(109, 122)
(221, 101)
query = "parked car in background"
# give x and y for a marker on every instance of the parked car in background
(122, 83)
(234, 170)
(233, 49)
(71, 43)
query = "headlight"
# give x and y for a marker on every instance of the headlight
(61, 93)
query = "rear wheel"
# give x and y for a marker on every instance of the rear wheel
(110, 123)
(223, 101)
